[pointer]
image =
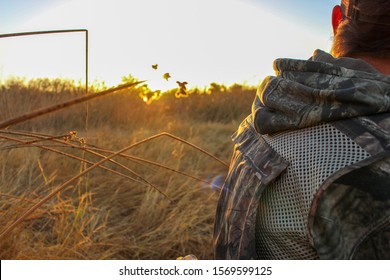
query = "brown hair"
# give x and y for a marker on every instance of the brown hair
(364, 29)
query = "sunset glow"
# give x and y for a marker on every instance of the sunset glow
(198, 41)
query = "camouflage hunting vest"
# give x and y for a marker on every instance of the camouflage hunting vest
(348, 214)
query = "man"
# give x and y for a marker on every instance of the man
(310, 173)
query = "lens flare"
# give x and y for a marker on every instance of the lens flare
(217, 182)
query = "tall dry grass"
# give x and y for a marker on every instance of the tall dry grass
(155, 201)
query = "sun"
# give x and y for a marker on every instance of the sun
(194, 40)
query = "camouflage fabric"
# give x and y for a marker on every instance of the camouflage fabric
(254, 165)
(350, 215)
(306, 93)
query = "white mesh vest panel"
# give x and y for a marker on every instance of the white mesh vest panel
(314, 154)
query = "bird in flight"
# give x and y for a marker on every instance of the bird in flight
(182, 89)
(166, 76)
(182, 85)
(155, 66)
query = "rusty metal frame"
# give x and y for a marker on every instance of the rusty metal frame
(58, 31)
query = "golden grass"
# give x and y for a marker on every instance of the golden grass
(150, 201)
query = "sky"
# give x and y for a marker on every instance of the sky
(198, 41)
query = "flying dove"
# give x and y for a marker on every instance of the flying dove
(166, 76)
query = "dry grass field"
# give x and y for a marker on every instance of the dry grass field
(157, 200)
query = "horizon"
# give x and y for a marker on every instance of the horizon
(101, 85)
(200, 42)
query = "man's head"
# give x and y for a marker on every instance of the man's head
(361, 27)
